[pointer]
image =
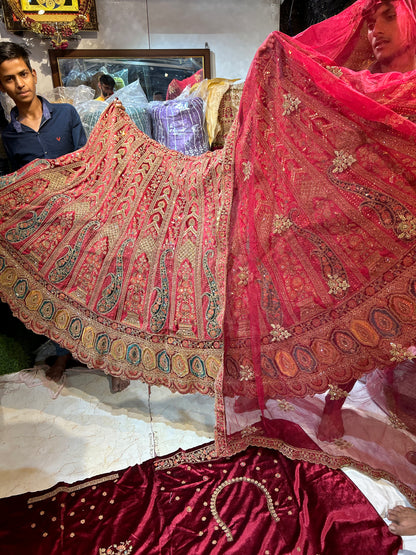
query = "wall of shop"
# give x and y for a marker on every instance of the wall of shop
(232, 29)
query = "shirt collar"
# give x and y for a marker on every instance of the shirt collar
(47, 110)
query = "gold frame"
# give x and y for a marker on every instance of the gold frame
(58, 26)
(42, 5)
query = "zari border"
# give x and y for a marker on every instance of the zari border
(70, 489)
(226, 447)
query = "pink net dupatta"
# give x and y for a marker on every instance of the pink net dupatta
(321, 269)
(270, 273)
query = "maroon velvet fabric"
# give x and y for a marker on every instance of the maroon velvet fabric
(167, 506)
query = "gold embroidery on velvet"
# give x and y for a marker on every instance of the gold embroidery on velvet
(213, 503)
(123, 548)
(69, 489)
(336, 392)
(279, 333)
(191, 457)
(399, 353)
(281, 224)
(290, 104)
(342, 161)
(337, 284)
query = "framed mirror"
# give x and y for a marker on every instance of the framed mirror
(155, 69)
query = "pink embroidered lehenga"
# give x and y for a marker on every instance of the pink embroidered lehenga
(266, 274)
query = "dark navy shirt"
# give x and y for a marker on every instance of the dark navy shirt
(60, 132)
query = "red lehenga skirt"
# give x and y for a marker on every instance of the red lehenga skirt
(266, 274)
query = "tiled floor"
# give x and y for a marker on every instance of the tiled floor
(51, 433)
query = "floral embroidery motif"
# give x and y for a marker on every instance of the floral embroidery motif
(243, 276)
(400, 354)
(342, 443)
(335, 70)
(247, 169)
(290, 104)
(285, 405)
(246, 373)
(123, 548)
(336, 392)
(342, 161)
(337, 284)
(279, 333)
(213, 504)
(407, 226)
(250, 430)
(281, 224)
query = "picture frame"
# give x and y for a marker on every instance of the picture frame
(57, 20)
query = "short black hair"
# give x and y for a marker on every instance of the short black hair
(11, 50)
(107, 80)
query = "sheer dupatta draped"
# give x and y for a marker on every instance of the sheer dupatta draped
(267, 273)
(321, 280)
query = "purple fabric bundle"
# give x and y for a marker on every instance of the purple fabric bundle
(179, 125)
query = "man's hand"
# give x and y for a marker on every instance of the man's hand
(118, 104)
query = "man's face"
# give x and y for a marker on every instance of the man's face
(18, 81)
(384, 33)
(106, 90)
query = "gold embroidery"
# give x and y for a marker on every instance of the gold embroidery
(342, 161)
(196, 456)
(247, 169)
(336, 392)
(290, 104)
(335, 70)
(407, 226)
(243, 276)
(337, 284)
(396, 422)
(285, 405)
(281, 224)
(342, 443)
(250, 430)
(213, 504)
(67, 489)
(399, 353)
(246, 373)
(279, 333)
(123, 548)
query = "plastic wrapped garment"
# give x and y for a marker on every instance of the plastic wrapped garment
(71, 95)
(134, 101)
(179, 124)
(267, 273)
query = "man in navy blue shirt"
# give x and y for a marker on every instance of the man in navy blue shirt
(38, 129)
